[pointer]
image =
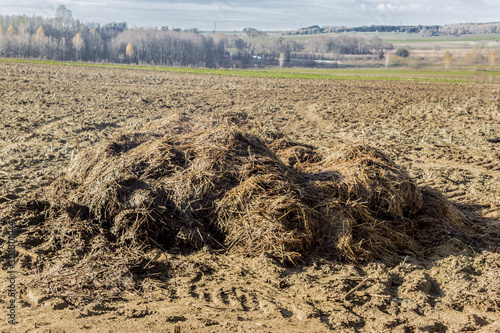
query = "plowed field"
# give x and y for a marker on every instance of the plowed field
(446, 135)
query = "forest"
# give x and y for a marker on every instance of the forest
(428, 30)
(64, 38)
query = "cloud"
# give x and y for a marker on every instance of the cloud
(265, 15)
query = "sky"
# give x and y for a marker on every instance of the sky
(230, 15)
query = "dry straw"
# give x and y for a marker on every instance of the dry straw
(215, 183)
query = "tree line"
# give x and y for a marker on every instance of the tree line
(348, 45)
(64, 38)
(428, 30)
(470, 28)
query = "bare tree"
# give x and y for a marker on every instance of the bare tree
(447, 59)
(282, 59)
(78, 44)
(64, 17)
(491, 60)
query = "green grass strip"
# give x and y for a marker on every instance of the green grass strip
(455, 76)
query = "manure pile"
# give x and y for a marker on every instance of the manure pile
(184, 185)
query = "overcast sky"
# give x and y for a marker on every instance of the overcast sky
(263, 15)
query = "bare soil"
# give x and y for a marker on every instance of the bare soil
(445, 135)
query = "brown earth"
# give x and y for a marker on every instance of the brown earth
(445, 135)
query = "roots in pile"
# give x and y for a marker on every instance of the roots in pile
(188, 185)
